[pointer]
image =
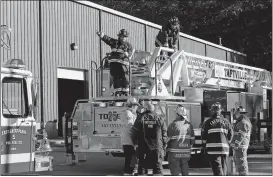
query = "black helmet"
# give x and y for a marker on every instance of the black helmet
(216, 107)
(174, 20)
(123, 33)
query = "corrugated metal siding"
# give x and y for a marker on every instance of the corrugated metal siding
(63, 23)
(22, 17)
(232, 57)
(151, 33)
(111, 24)
(191, 46)
(216, 53)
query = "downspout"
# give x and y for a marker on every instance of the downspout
(41, 66)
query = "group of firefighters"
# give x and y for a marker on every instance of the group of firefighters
(148, 131)
(146, 139)
(121, 51)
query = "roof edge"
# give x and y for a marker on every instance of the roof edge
(108, 10)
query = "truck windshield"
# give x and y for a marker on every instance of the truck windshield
(15, 101)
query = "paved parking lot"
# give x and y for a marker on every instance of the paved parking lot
(101, 164)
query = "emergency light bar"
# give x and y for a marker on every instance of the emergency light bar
(15, 64)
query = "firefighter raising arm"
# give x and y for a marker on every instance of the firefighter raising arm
(119, 60)
(113, 43)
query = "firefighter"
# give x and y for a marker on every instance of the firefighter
(150, 134)
(240, 140)
(181, 135)
(216, 135)
(128, 118)
(169, 35)
(121, 50)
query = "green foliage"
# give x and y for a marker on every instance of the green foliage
(243, 25)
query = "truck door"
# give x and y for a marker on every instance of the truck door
(17, 125)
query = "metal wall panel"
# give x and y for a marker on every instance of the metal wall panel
(151, 33)
(22, 18)
(63, 23)
(19, 16)
(216, 53)
(111, 24)
(232, 57)
(192, 46)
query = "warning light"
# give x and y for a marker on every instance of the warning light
(103, 89)
(15, 64)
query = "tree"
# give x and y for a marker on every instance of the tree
(243, 25)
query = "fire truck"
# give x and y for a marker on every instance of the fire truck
(18, 122)
(21, 151)
(167, 78)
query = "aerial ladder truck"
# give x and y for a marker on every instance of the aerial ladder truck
(192, 80)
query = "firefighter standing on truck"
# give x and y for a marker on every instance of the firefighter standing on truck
(181, 135)
(216, 135)
(128, 118)
(150, 133)
(240, 140)
(121, 50)
(169, 35)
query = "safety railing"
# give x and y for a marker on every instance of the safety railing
(168, 58)
(102, 67)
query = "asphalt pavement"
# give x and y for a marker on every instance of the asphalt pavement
(103, 165)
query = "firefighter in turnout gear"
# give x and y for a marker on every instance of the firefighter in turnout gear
(216, 135)
(169, 35)
(128, 118)
(121, 50)
(150, 134)
(240, 140)
(181, 135)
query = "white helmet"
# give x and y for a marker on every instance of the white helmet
(132, 101)
(181, 111)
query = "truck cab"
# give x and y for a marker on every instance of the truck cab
(17, 118)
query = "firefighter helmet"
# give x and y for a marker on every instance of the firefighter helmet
(174, 20)
(181, 111)
(241, 110)
(123, 33)
(132, 101)
(216, 107)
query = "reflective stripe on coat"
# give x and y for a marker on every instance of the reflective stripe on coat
(181, 135)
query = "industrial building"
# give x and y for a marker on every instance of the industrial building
(43, 35)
